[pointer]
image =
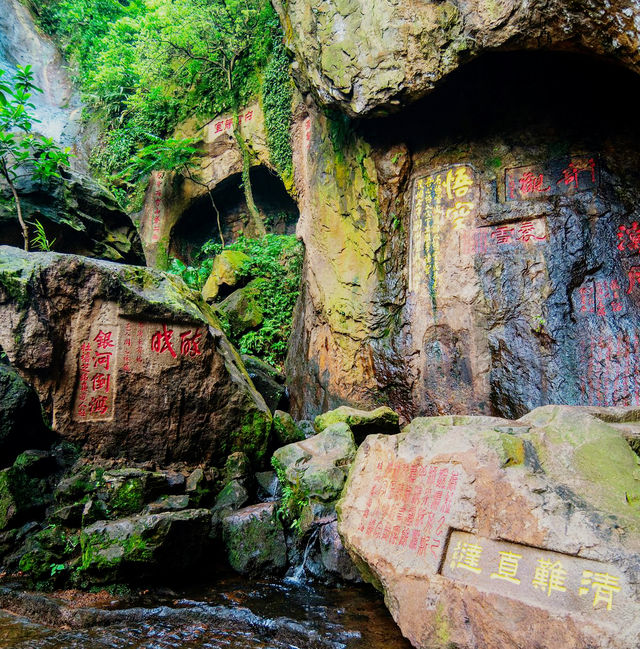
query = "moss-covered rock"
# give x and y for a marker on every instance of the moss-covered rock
(285, 430)
(254, 540)
(242, 308)
(382, 420)
(21, 424)
(227, 271)
(139, 546)
(20, 497)
(320, 464)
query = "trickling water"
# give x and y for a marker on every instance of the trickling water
(236, 614)
(297, 574)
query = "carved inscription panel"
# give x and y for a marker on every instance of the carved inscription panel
(548, 579)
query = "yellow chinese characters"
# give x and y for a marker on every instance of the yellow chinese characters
(508, 567)
(467, 556)
(550, 576)
(458, 182)
(603, 584)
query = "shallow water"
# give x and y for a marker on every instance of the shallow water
(235, 614)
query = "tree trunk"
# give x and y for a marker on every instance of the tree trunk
(23, 225)
(254, 214)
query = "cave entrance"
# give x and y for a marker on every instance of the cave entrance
(198, 224)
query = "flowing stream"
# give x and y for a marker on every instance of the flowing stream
(235, 614)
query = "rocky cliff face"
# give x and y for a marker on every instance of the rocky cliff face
(478, 250)
(375, 57)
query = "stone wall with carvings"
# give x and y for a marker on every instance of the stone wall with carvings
(482, 252)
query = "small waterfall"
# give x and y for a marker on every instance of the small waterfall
(297, 575)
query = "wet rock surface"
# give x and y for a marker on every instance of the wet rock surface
(235, 614)
(115, 353)
(461, 519)
(524, 294)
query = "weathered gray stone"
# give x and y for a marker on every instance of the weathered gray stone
(320, 464)
(254, 540)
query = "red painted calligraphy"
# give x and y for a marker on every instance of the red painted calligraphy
(161, 341)
(634, 277)
(189, 343)
(629, 237)
(531, 183)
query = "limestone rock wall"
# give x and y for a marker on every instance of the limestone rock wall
(477, 252)
(374, 57)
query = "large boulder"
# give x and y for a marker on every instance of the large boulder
(376, 57)
(226, 271)
(139, 546)
(485, 532)
(21, 425)
(242, 308)
(126, 361)
(79, 216)
(320, 464)
(254, 540)
(362, 422)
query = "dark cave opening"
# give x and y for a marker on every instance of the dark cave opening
(535, 93)
(199, 224)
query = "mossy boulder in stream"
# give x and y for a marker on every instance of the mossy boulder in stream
(155, 544)
(319, 465)
(254, 540)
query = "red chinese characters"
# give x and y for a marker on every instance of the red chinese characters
(629, 237)
(571, 174)
(600, 297)
(408, 507)
(95, 397)
(163, 341)
(531, 183)
(634, 278)
(225, 124)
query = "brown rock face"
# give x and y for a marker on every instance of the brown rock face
(373, 57)
(477, 252)
(488, 533)
(126, 361)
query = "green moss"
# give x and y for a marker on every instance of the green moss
(128, 497)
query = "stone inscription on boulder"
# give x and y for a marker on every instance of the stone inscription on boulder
(448, 196)
(408, 508)
(143, 346)
(557, 177)
(486, 533)
(549, 579)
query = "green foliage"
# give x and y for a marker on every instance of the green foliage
(295, 497)
(145, 65)
(22, 151)
(276, 261)
(40, 241)
(277, 96)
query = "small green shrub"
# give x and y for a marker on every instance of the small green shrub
(294, 498)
